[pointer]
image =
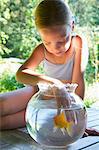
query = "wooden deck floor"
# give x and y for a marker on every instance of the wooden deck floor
(20, 140)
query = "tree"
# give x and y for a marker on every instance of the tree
(18, 35)
(85, 11)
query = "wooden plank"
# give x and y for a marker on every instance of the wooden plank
(21, 140)
(3, 144)
(93, 118)
(93, 147)
(92, 112)
(25, 142)
(96, 127)
(18, 141)
(96, 117)
(10, 148)
(93, 123)
(84, 142)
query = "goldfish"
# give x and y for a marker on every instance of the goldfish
(60, 122)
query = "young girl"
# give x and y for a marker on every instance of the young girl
(62, 55)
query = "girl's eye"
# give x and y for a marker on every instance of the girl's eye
(47, 43)
(62, 42)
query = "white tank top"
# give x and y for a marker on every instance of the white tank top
(64, 71)
(59, 71)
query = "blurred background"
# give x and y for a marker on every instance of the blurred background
(18, 38)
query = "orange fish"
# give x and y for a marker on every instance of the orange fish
(61, 122)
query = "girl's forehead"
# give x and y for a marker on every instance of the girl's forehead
(62, 30)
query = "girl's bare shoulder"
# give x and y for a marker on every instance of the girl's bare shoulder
(38, 52)
(81, 42)
(81, 49)
(35, 58)
(39, 49)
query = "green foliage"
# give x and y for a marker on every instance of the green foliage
(86, 19)
(88, 103)
(8, 69)
(18, 35)
(8, 82)
(85, 11)
(89, 74)
(40, 69)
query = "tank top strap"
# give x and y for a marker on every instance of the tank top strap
(44, 52)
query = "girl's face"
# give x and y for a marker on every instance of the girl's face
(56, 39)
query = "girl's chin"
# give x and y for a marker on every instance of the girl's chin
(60, 54)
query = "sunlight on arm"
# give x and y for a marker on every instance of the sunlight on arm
(84, 55)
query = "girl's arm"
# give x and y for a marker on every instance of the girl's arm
(30, 77)
(26, 73)
(81, 59)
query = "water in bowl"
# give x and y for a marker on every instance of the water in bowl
(41, 127)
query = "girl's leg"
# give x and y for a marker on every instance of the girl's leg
(12, 107)
(13, 121)
(15, 101)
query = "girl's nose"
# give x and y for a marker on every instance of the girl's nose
(57, 47)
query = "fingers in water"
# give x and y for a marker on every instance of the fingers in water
(74, 116)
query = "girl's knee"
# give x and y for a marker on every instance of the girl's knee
(4, 104)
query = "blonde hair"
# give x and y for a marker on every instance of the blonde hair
(52, 12)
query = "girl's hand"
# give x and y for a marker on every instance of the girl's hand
(64, 100)
(62, 96)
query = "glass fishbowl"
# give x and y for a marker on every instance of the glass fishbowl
(56, 117)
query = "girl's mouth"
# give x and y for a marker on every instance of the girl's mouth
(59, 53)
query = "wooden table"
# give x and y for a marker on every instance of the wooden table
(20, 140)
